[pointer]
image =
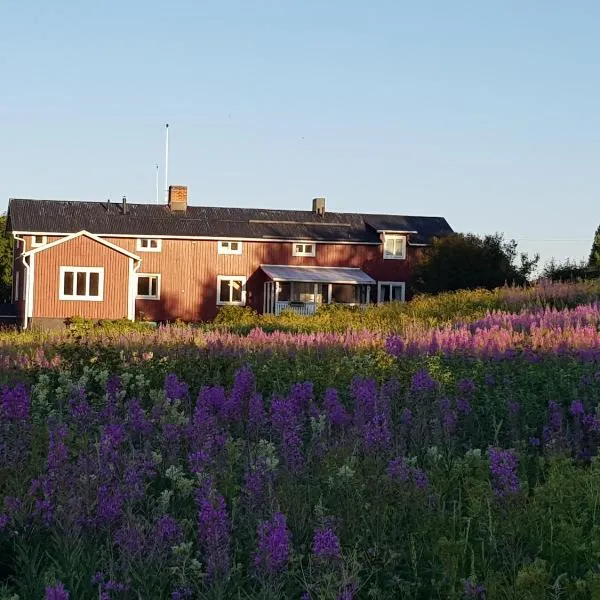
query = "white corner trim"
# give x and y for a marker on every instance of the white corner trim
(87, 234)
(31, 287)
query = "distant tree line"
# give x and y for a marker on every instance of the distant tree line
(6, 254)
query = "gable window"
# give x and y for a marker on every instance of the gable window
(390, 291)
(230, 247)
(81, 283)
(231, 290)
(148, 286)
(148, 245)
(303, 249)
(38, 240)
(394, 247)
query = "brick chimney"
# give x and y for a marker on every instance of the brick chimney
(318, 206)
(178, 198)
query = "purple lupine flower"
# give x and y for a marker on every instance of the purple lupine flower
(473, 591)
(406, 416)
(334, 409)
(79, 408)
(503, 469)
(241, 392)
(14, 403)
(465, 386)
(364, 392)
(463, 406)
(349, 591)
(449, 421)
(257, 416)
(58, 453)
(535, 442)
(555, 416)
(301, 396)
(514, 408)
(115, 586)
(167, 531)
(214, 532)
(283, 414)
(130, 539)
(258, 480)
(376, 434)
(274, 545)
(577, 409)
(591, 422)
(110, 504)
(98, 578)
(175, 389)
(181, 593)
(397, 470)
(137, 420)
(423, 382)
(419, 478)
(325, 544)
(291, 449)
(4, 521)
(56, 592)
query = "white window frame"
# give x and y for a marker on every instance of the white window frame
(224, 247)
(303, 252)
(139, 244)
(394, 238)
(147, 297)
(35, 244)
(17, 285)
(86, 297)
(381, 284)
(241, 278)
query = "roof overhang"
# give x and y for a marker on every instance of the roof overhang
(395, 231)
(87, 234)
(349, 275)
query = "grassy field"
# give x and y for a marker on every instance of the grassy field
(446, 448)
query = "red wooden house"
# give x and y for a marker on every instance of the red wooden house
(103, 260)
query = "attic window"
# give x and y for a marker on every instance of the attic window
(304, 249)
(148, 245)
(38, 240)
(394, 247)
(230, 247)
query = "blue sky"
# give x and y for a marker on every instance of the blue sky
(487, 113)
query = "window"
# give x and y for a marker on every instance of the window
(229, 247)
(148, 286)
(390, 291)
(38, 240)
(394, 246)
(81, 283)
(17, 284)
(303, 249)
(148, 245)
(231, 290)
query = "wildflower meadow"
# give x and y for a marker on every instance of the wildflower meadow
(438, 453)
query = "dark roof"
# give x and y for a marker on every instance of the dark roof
(101, 218)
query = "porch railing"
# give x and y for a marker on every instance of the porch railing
(300, 308)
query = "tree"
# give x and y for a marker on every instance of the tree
(594, 260)
(466, 261)
(6, 256)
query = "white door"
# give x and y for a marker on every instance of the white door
(390, 291)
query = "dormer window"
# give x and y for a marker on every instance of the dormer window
(38, 240)
(303, 249)
(229, 247)
(148, 245)
(394, 247)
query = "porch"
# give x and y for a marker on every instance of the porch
(304, 289)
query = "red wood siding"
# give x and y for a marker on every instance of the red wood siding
(80, 252)
(189, 270)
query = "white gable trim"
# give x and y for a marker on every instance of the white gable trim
(87, 234)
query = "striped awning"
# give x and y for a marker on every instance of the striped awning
(317, 274)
